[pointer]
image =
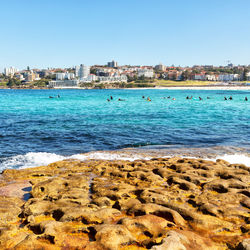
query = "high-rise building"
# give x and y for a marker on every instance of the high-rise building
(77, 68)
(10, 71)
(84, 71)
(112, 64)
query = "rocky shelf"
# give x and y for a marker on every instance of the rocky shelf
(162, 203)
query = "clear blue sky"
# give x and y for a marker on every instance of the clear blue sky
(59, 33)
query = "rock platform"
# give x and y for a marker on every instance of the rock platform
(162, 203)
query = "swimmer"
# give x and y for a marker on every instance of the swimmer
(120, 100)
(111, 97)
(187, 97)
(200, 98)
(208, 97)
(173, 99)
(230, 98)
(143, 97)
(51, 97)
(246, 99)
(148, 99)
(169, 97)
(108, 100)
(58, 96)
(225, 98)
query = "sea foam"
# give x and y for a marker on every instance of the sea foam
(43, 158)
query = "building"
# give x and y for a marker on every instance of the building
(112, 64)
(110, 79)
(10, 71)
(65, 76)
(228, 77)
(84, 71)
(160, 67)
(90, 78)
(31, 76)
(144, 72)
(64, 83)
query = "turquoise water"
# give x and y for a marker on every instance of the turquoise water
(83, 120)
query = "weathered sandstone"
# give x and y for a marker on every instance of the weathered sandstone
(171, 204)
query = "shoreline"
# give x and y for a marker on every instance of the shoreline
(233, 155)
(189, 87)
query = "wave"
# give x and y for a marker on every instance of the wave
(43, 158)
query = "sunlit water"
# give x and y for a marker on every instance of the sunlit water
(36, 129)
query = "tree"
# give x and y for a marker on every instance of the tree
(13, 82)
(244, 74)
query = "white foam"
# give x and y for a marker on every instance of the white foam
(237, 158)
(109, 156)
(42, 159)
(30, 160)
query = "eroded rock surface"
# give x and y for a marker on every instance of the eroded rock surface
(170, 204)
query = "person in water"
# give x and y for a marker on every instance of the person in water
(108, 100)
(148, 99)
(58, 96)
(200, 98)
(230, 98)
(51, 97)
(246, 99)
(120, 100)
(111, 97)
(143, 97)
(225, 98)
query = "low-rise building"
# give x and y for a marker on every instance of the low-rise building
(228, 77)
(110, 79)
(145, 72)
(63, 83)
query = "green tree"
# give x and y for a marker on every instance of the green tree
(244, 74)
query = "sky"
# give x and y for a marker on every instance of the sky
(60, 33)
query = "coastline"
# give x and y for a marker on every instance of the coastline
(172, 87)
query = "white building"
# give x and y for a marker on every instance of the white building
(248, 76)
(10, 71)
(84, 71)
(228, 77)
(64, 83)
(110, 79)
(65, 76)
(149, 73)
(90, 78)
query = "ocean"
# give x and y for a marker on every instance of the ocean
(37, 130)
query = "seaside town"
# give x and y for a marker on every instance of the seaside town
(112, 75)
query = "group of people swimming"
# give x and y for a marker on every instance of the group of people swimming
(169, 97)
(111, 99)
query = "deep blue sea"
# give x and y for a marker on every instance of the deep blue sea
(34, 127)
